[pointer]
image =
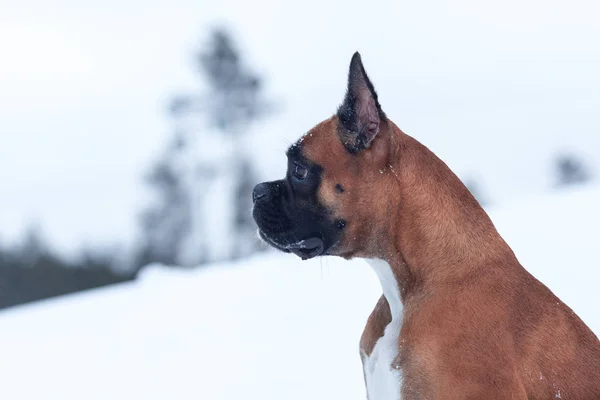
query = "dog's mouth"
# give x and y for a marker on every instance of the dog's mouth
(305, 249)
(272, 242)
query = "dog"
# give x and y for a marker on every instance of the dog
(459, 317)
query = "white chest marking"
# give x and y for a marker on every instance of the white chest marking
(383, 380)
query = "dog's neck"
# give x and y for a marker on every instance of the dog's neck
(437, 232)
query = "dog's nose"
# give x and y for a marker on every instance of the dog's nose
(261, 190)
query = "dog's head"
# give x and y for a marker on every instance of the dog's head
(334, 197)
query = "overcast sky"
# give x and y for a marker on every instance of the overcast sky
(495, 88)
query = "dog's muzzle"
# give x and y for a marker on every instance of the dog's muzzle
(276, 228)
(307, 248)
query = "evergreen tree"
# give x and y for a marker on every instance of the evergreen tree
(168, 221)
(475, 189)
(570, 170)
(33, 248)
(204, 210)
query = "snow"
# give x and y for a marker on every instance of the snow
(270, 327)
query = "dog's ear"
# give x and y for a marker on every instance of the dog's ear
(360, 114)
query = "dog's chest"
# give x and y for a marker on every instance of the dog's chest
(384, 379)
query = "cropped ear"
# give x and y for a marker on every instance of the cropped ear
(360, 114)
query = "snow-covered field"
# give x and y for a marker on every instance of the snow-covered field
(271, 327)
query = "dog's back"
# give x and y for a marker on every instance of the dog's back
(558, 354)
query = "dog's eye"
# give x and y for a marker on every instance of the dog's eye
(300, 172)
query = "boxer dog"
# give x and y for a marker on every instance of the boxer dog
(459, 318)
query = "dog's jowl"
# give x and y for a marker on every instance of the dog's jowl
(459, 317)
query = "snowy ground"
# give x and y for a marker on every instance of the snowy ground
(271, 327)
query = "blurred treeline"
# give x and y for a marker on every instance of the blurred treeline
(31, 271)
